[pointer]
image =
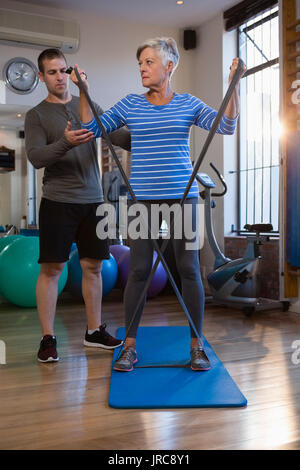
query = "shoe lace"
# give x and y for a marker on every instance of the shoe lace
(198, 352)
(48, 342)
(127, 354)
(103, 331)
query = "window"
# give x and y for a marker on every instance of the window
(259, 126)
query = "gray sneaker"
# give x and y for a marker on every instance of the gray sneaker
(199, 359)
(126, 361)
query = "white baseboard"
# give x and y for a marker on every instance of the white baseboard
(295, 307)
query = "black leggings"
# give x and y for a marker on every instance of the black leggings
(187, 263)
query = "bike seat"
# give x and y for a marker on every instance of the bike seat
(259, 227)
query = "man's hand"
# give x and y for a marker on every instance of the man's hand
(79, 136)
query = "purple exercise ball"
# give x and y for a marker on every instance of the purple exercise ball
(158, 282)
(118, 251)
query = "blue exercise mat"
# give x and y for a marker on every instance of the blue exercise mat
(171, 387)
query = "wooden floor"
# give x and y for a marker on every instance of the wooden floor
(65, 405)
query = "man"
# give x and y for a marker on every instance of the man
(71, 195)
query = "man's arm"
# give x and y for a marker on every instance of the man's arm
(38, 152)
(122, 138)
(41, 154)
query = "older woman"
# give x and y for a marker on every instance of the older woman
(159, 122)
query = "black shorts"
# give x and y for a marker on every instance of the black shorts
(61, 224)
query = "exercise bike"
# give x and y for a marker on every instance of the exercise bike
(234, 282)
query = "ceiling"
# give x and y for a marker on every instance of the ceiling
(160, 12)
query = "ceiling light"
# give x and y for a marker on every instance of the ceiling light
(179, 2)
(19, 115)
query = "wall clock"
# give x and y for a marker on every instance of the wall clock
(20, 75)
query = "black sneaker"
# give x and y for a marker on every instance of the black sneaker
(126, 361)
(47, 351)
(101, 339)
(199, 359)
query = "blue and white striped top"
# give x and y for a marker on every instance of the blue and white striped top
(161, 165)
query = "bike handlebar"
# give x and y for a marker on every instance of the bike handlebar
(221, 178)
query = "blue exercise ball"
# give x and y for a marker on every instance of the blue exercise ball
(19, 271)
(109, 274)
(73, 247)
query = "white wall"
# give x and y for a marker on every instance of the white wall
(107, 53)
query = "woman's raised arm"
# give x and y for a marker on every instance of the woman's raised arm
(85, 112)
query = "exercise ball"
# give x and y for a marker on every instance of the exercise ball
(158, 282)
(118, 251)
(109, 272)
(5, 241)
(19, 271)
(73, 247)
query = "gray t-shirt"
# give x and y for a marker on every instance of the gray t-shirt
(71, 172)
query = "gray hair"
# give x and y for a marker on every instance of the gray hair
(165, 47)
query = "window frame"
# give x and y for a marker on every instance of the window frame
(270, 63)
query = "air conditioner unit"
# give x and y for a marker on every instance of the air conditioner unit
(26, 29)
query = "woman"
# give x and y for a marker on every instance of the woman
(159, 122)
